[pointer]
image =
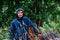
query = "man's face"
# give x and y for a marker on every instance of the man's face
(20, 14)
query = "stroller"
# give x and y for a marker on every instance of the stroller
(46, 36)
(49, 36)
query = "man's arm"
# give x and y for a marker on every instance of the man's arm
(31, 24)
(12, 31)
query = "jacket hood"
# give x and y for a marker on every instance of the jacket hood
(19, 9)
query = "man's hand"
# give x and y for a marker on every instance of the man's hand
(39, 36)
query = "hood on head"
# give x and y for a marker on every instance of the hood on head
(19, 9)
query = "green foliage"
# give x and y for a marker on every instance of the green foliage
(45, 13)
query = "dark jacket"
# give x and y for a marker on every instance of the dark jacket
(20, 26)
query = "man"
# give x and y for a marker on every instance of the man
(19, 26)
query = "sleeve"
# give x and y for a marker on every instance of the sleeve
(12, 32)
(30, 23)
